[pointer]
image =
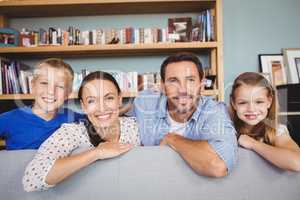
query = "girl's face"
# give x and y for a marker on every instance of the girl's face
(101, 101)
(251, 104)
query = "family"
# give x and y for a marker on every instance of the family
(204, 132)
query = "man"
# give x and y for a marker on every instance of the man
(196, 127)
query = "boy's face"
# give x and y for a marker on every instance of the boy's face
(50, 89)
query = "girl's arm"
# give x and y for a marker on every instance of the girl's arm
(285, 154)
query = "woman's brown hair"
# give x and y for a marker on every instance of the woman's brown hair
(266, 129)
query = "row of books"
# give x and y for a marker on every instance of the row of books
(13, 79)
(149, 81)
(127, 81)
(57, 36)
(178, 30)
(204, 29)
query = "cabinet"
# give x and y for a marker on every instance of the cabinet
(57, 8)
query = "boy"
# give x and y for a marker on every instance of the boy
(29, 127)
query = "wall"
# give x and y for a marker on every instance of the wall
(257, 27)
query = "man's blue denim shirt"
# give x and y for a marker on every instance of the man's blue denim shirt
(210, 122)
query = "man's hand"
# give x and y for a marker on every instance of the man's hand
(170, 139)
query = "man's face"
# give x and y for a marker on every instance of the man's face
(182, 87)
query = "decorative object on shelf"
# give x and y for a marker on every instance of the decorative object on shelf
(9, 37)
(180, 29)
(209, 82)
(272, 66)
(292, 61)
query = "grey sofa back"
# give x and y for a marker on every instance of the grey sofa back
(154, 173)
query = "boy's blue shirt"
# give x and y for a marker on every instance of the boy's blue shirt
(22, 129)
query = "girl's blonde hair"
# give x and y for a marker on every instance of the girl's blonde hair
(266, 129)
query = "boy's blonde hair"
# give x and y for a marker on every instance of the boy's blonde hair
(55, 63)
(266, 129)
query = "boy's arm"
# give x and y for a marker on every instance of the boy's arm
(127, 109)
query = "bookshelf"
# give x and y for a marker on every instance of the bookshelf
(57, 8)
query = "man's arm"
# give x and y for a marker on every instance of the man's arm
(198, 154)
(214, 153)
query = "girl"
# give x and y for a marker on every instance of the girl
(253, 104)
(74, 146)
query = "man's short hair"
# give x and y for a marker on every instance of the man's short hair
(179, 57)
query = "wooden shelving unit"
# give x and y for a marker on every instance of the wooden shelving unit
(45, 8)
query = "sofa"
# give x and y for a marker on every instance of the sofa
(154, 173)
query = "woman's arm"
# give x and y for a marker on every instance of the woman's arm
(285, 154)
(53, 162)
(65, 167)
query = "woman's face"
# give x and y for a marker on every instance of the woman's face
(251, 104)
(100, 101)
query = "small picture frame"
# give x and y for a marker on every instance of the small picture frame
(9, 37)
(292, 61)
(180, 29)
(272, 65)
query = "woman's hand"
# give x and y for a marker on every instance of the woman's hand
(246, 141)
(111, 149)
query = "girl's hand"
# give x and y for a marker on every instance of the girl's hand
(246, 141)
(111, 149)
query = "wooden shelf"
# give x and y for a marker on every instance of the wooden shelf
(74, 95)
(104, 50)
(288, 113)
(210, 93)
(46, 8)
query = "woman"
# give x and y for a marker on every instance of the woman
(75, 146)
